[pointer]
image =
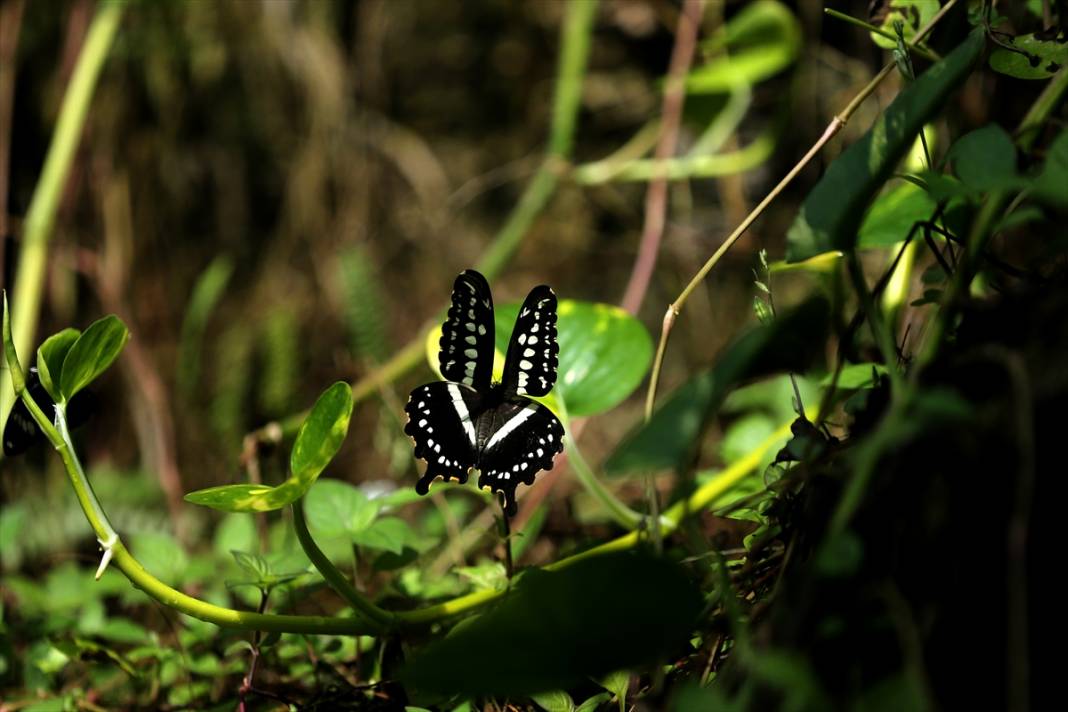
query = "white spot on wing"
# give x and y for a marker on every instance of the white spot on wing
(462, 412)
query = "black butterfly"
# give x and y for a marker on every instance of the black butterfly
(467, 420)
(21, 431)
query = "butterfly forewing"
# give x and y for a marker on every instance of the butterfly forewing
(530, 366)
(525, 438)
(441, 421)
(466, 354)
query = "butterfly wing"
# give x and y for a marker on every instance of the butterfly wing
(441, 420)
(526, 437)
(21, 431)
(466, 354)
(530, 366)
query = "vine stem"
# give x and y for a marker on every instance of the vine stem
(837, 124)
(41, 214)
(371, 622)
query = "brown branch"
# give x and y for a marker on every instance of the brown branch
(657, 194)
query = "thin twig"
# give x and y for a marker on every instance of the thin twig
(657, 193)
(836, 125)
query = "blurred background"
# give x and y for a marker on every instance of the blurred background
(278, 194)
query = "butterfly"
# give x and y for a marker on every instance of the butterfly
(468, 421)
(21, 431)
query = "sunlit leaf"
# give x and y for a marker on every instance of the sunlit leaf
(604, 353)
(322, 433)
(317, 442)
(832, 213)
(555, 629)
(91, 354)
(50, 357)
(913, 14)
(790, 343)
(893, 214)
(761, 40)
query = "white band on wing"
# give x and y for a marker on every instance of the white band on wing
(512, 424)
(462, 412)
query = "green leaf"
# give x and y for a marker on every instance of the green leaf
(161, 554)
(832, 213)
(1042, 58)
(318, 440)
(555, 629)
(554, 701)
(388, 533)
(604, 353)
(913, 14)
(985, 159)
(617, 683)
(50, 357)
(1051, 185)
(856, 375)
(761, 40)
(892, 215)
(322, 433)
(254, 565)
(335, 508)
(592, 704)
(234, 532)
(247, 498)
(92, 353)
(789, 343)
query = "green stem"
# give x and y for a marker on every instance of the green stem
(41, 215)
(919, 49)
(311, 625)
(645, 169)
(335, 578)
(620, 513)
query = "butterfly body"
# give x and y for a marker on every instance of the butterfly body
(469, 421)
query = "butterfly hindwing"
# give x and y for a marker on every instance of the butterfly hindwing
(530, 366)
(466, 354)
(526, 437)
(441, 419)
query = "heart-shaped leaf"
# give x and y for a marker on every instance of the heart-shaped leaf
(318, 440)
(790, 343)
(604, 353)
(555, 629)
(985, 159)
(335, 508)
(1036, 59)
(833, 211)
(91, 354)
(893, 214)
(50, 357)
(388, 533)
